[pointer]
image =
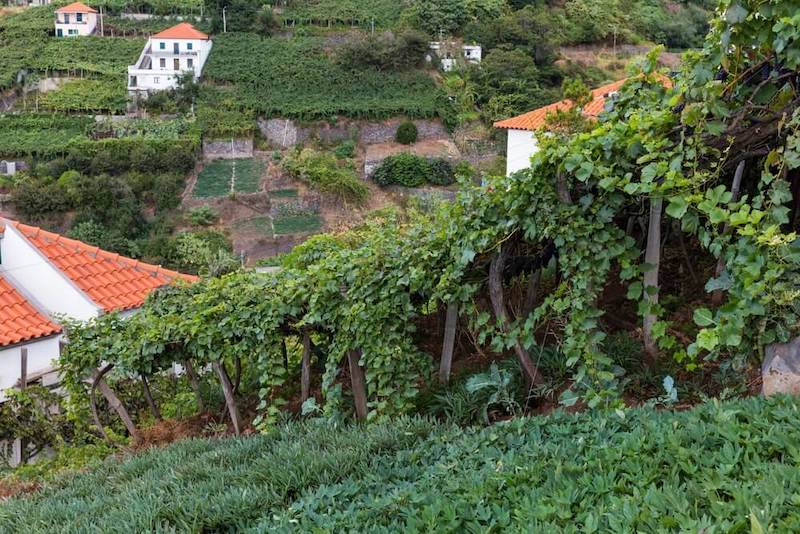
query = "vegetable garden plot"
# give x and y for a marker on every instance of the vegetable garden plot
(297, 224)
(283, 193)
(256, 225)
(225, 176)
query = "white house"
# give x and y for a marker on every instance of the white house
(521, 142)
(449, 51)
(45, 276)
(75, 19)
(167, 54)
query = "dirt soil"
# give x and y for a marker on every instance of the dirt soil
(440, 148)
(14, 488)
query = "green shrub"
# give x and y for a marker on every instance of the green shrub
(402, 169)
(387, 51)
(203, 215)
(441, 172)
(406, 133)
(36, 201)
(345, 150)
(323, 172)
(410, 170)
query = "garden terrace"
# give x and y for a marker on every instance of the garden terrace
(295, 78)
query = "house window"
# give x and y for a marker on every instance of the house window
(188, 46)
(73, 32)
(175, 48)
(66, 18)
(190, 63)
(162, 63)
(155, 80)
(79, 17)
(162, 46)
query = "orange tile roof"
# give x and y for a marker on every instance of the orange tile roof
(536, 119)
(184, 30)
(76, 7)
(19, 320)
(112, 281)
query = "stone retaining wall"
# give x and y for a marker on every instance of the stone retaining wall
(286, 133)
(228, 149)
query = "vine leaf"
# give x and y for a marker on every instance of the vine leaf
(703, 317)
(736, 14)
(677, 207)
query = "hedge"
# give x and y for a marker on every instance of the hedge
(410, 170)
(720, 467)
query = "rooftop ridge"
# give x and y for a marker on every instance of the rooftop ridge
(110, 280)
(536, 119)
(81, 246)
(19, 319)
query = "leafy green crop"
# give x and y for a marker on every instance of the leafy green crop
(87, 95)
(384, 13)
(39, 134)
(294, 78)
(223, 176)
(721, 467)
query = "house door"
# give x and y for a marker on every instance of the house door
(176, 64)
(59, 32)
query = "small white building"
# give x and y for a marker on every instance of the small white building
(521, 142)
(75, 19)
(166, 55)
(449, 52)
(45, 276)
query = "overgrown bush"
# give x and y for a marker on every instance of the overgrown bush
(203, 215)
(346, 150)
(406, 133)
(441, 172)
(37, 200)
(386, 51)
(410, 170)
(323, 172)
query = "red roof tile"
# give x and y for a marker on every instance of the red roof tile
(76, 7)
(536, 119)
(112, 281)
(19, 320)
(184, 30)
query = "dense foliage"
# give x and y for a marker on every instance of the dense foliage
(44, 135)
(295, 78)
(358, 294)
(410, 170)
(406, 133)
(324, 172)
(365, 13)
(720, 467)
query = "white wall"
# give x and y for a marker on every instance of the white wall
(160, 78)
(41, 356)
(86, 27)
(521, 146)
(28, 270)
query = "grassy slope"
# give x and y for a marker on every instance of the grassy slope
(718, 467)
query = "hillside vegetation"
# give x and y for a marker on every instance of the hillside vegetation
(721, 467)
